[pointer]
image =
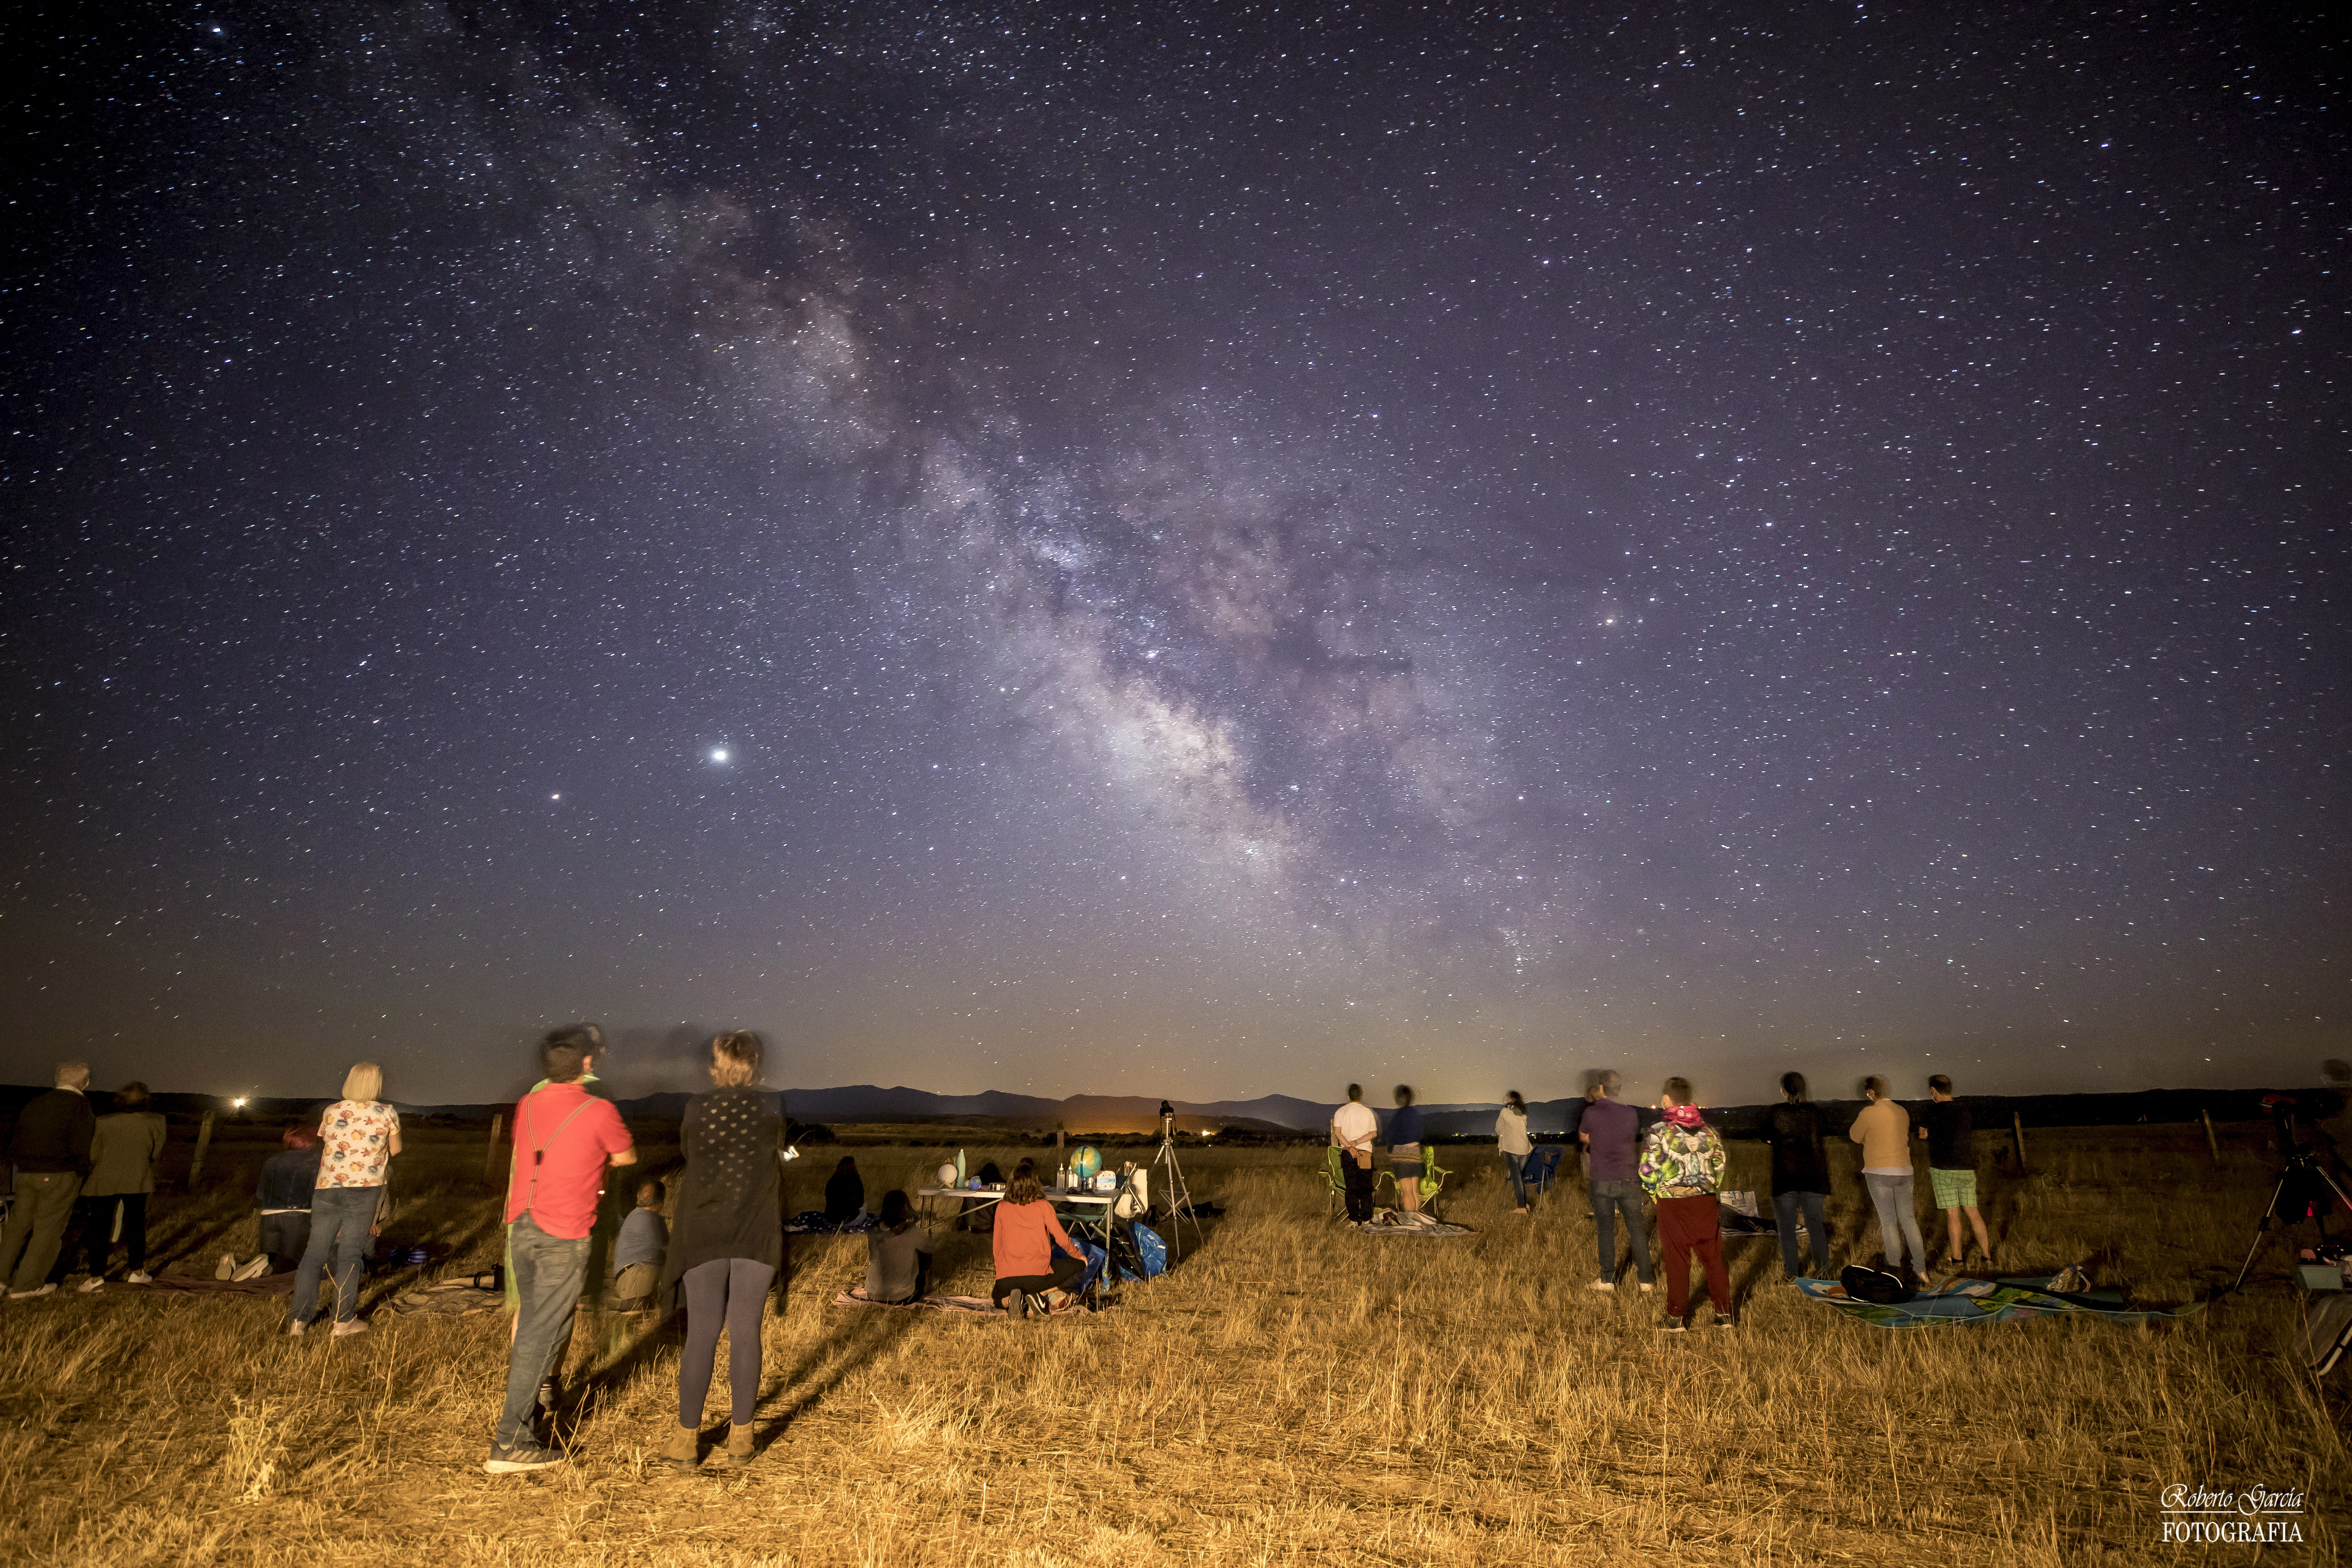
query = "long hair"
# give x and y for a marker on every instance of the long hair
(1514, 1102)
(736, 1058)
(1792, 1084)
(894, 1208)
(363, 1083)
(1024, 1187)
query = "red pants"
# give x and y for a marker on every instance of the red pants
(1688, 1225)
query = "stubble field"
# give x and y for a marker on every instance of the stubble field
(1293, 1392)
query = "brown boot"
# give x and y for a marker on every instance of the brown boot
(682, 1448)
(739, 1443)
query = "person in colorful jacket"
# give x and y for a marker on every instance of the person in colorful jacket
(1680, 1168)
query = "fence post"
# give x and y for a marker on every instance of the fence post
(2211, 1142)
(204, 1141)
(2017, 1126)
(490, 1154)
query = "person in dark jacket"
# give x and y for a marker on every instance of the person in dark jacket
(844, 1192)
(122, 1150)
(1950, 1137)
(283, 1195)
(1405, 1160)
(1801, 1175)
(727, 1240)
(51, 1153)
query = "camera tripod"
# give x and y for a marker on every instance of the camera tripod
(2303, 1183)
(1180, 1196)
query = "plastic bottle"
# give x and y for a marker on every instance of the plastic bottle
(960, 1177)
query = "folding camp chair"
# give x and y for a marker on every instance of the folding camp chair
(1433, 1175)
(1541, 1166)
(1337, 1185)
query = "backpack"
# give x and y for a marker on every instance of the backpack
(1876, 1285)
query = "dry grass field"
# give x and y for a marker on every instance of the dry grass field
(1293, 1392)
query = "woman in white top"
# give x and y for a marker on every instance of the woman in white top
(1511, 1138)
(358, 1136)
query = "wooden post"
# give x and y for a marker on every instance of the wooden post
(204, 1141)
(490, 1154)
(2211, 1142)
(2017, 1125)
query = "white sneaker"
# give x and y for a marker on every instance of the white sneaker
(1605, 1285)
(295, 1328)
(253, 1271)
(1645, 1290)
(92, 1283)
(139, 1277)
(345, 1331)
(42, 1289)
(227, 1266)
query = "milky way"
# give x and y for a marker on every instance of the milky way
(1203, 551)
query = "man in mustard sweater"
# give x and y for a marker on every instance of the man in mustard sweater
(1883, 1131)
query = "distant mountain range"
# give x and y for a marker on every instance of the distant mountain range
(1137, 1113)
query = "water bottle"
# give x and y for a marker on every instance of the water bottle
(960, 1177)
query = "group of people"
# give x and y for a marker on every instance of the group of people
(1677, 1165)
(76, 1167)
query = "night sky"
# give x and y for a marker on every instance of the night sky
(1190, 550)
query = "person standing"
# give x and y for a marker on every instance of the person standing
(727, 1245)
(50, 1150)
(1951, 1139)
(358, 1135)
(1511, 1138)
(1800, 1176)
(1353, 1128)
(564, 1139)
(122, 1148)
(1883, 1131)
(1682, 1169)
(1404, 1150)
(283, 1196)
(1610, 1132)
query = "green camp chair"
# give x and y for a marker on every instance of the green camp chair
(1433, 1175)
(1337, 1185)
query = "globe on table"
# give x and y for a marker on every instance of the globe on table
(947, 1176)
(1085, 1161)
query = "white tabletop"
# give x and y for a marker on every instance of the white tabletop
(996, 1194)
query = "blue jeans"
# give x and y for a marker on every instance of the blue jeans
(547, 1272)
(1517, 1165)
(1898, 1219)
(1611, 1198)
(341, 1218)
(1784, 1209)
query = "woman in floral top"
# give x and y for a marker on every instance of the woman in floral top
(358, 1136)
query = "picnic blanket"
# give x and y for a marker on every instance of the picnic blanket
(1971, 1302)
(205, 1285)
(450, 1299)
(856, 1295)
(1395, 1222)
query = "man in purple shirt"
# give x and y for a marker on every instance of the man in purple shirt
(1610, 1131)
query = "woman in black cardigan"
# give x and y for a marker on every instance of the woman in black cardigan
(727, 1242)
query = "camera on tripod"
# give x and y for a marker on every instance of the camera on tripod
(2303, 1191)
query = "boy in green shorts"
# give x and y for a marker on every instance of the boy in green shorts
(1952, 1166)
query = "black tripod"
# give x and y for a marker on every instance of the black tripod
(2303, 1186)
(1180, 1196)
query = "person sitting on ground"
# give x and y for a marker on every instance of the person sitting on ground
(1611, 1131)
(844, 1192)
(1800, 1176)
(1950, 1135)
(897, 1261)
(1883, 1131)
(283, 1194)
(1025, 1240)
(122, 1148)
(1682, 1169)
(1404, 1150)
(1511, 1138)
(637, 1255)
(50, 1150)
(1353, 1127)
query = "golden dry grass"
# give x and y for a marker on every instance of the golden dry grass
(1292, 1393)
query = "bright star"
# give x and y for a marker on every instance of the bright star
(718, 754)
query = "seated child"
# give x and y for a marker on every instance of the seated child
(897, 1261)
(637, 1255)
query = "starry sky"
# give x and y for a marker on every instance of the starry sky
(1193, 550)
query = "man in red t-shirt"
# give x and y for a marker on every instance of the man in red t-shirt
(564, 1138)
